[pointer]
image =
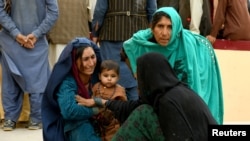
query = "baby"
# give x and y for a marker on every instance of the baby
(108, 89)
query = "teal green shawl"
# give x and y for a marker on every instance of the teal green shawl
(191, 56)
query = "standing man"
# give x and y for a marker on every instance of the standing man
(114, 22)
(72, 22)
(234, 17)
(24, 60)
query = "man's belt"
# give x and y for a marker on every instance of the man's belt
(127, 13)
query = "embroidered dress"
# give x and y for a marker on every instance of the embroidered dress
(132, 129)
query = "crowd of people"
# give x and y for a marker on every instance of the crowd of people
(127, 70)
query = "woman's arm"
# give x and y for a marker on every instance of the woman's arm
(121, 109)
(69, 108)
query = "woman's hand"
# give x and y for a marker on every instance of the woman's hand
(84, 101)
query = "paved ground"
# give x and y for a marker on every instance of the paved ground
(21, 134)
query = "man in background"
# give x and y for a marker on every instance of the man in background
(73, 22)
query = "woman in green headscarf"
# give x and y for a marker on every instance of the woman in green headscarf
(191, 56)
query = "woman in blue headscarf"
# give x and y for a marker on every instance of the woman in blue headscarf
(74, 74)
(190, 55)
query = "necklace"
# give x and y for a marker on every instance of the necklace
(101, 94)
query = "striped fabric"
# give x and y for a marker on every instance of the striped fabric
(123, 18)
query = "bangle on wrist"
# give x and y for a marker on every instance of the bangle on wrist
(98, 101)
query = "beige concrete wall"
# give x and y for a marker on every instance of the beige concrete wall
(235, 73)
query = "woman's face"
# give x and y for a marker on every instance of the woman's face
(162, 31)
(86, 64)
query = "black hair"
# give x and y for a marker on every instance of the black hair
(79, 51)
(110, 65)
(157, 17)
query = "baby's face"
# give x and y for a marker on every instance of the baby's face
(109, 78)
